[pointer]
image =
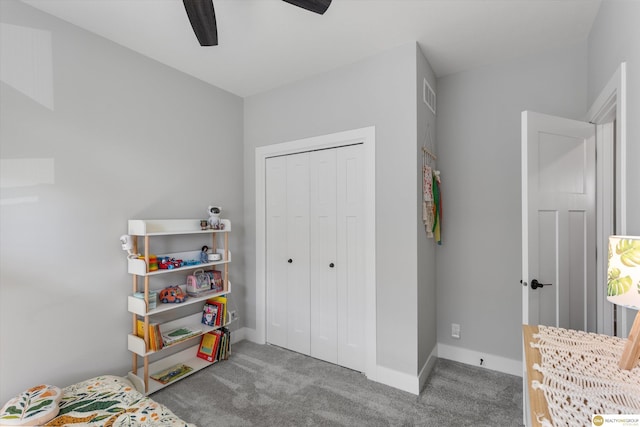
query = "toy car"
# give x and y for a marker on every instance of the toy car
(166, 263)
(172, 294)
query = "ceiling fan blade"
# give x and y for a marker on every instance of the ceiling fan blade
(203, 21)
(317, 6)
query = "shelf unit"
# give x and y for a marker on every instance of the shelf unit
(138, 307)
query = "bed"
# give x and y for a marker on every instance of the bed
(573, 375)
(107, 400)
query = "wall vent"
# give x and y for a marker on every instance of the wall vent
(429, 96)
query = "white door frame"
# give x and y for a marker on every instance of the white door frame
(365, 136)
(610, 105)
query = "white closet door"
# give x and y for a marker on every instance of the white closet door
(297, 253)
(276, 250)
(324, 318)
(350, 258)
(315, 254)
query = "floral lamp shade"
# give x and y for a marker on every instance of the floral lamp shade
(623, 288)
(623, 275)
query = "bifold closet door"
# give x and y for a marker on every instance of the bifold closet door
(323, 255)
(350, 266)
(337, 256)
(315, 254)
(287, 260)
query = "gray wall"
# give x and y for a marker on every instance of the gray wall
(129, 138)
(426, 300)
(479, 263)
(614, 38)
(377, 91)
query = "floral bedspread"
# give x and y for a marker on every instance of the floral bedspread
(111, 401)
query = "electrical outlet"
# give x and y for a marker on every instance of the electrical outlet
(455, 330)
(233, 315)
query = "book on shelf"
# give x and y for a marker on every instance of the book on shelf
(217, 284)
(165, 376)
(179, 334)
(155, 341)
(208, 348)
(223, 346)
(209, 314)
(221, 302)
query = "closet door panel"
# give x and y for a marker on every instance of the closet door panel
(350, 258)
(322, 191)
(276, 250)
(297, 231)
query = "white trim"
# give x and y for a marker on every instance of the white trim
(604, 222)
(399, 380)
(366, 136)
(427, 368)
(490, 361)
(612, 104)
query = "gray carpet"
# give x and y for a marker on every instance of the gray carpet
(262, 385)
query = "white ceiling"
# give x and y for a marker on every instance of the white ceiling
(269, 43)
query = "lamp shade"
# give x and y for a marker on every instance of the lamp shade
(623, 274)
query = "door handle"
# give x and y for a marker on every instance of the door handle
(332, 265)
(289, 260)
(535, 284)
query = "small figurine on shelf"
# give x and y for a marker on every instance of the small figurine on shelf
(204, 254)
(214, 217)
(204, 224)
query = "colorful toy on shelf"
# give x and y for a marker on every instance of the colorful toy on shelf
(172, 294)
(153, 262)
(166, 263)
(214, 217)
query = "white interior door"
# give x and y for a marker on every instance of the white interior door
(297, 258)
(276, 249)
(316, 293)
(287, 254)
(324, 318)
(350, 264)
(558, 222)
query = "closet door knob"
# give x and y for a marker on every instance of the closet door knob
(331, 265)
(289, 260)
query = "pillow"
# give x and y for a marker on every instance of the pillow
(33, 407)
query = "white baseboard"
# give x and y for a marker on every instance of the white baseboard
(427, 368)
(406, 382)
(490, 361)
(399, 380)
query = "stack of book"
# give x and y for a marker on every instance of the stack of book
(155, 338)
(214, 345)
(221, 311)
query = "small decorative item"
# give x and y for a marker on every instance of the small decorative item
(198, 283)
(204, 256)
(172, 294)
(214, 217)
(204, 224)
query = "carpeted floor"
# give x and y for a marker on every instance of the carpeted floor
(262, 385)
